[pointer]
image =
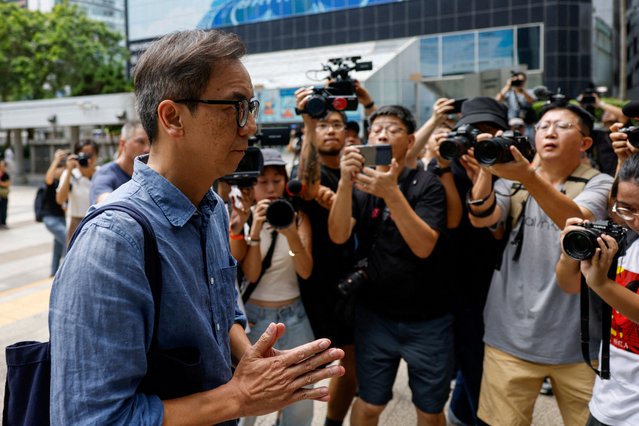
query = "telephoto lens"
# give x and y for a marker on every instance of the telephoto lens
(497, 149)
(580, 244)
(280, 213)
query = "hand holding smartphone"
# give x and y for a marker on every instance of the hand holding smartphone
(376, 155)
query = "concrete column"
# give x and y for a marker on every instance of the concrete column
(18, 149)
(75, 135)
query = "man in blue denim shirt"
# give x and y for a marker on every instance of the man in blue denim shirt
(193, 98)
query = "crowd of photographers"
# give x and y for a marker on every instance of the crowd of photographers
(438, 244)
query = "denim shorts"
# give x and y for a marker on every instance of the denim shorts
(426, 346)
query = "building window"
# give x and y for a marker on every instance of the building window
(496, 49)
(528, 47)
(458, 54)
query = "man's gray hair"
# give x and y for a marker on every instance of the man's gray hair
(179, 66)
(129, 128)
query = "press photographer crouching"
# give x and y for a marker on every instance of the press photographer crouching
(276, 250)
(531, 326)
(402, 312)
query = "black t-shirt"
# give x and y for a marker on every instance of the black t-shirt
(50, 207)
(401, 285)
(602, 153)
(473, 252)
(330, 261)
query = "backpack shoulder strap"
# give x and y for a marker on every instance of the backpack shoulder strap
(519, 196)
(152, 263)
(577, 181)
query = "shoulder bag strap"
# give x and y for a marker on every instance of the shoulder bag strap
(266, 263)
(606, 320)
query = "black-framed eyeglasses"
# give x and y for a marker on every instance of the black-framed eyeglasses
(242, 108)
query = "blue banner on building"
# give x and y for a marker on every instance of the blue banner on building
(224, 13)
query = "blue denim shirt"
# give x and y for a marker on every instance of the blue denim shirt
(101, 310)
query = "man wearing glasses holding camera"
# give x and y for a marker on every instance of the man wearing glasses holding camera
(195, 101)
(402, 309)
(532, 327)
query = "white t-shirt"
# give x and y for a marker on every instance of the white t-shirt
(616, 401)
(527, 315)
(279, 282)
(78, 202)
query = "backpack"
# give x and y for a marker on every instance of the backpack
(38, 203)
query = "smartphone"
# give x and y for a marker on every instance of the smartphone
(376, 155)
(457, 105)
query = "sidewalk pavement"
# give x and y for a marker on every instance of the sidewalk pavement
(25, 255)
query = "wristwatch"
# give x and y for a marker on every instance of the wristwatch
(477, 202)
(441, 170)
(251, 242)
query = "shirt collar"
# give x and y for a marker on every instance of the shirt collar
(175, 206)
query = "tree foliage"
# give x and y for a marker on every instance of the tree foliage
(60, 52)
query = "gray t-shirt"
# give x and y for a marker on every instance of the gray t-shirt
(527, 315)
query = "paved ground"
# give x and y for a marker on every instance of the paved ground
(25, 250)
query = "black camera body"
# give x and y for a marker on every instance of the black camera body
(248, 169)
(83, 159)
(458, 142)
(340, 93)
(633, 135)
(580, 244)
(497, 149)
(514, 80)
(354, 281)
(325, 99)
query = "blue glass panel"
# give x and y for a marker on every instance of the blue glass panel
(495, 49)
(458, 54)
(429, 56)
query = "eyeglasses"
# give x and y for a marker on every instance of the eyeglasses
(624, 212)
(337, 126)
(561, 126)
(242, 108)
(392, 130)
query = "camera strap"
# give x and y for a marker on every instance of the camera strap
(266, 263)
(606, 319)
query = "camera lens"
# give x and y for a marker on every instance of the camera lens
(580, 244)
(488, 152)
(452, 148)
(280, 213)
(316, 106)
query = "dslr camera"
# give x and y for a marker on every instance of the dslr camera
(458, 142)
(248, 170)
(580, 244)
(515, 81)
(633, 135)
(340, 93)
(354, 281)
(497, 149)
(83, 159)
(280, 213)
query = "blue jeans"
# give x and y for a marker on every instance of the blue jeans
(298, 332)
(58, 227)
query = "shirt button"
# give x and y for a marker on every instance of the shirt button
(217, 326)
(212, 281)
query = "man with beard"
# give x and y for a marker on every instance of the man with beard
(319, 172)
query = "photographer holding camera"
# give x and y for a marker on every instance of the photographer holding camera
(402, 309)
(614, 401)
(75, 183)
(531, 326)
(319, 173)
(276, 295)
(518, 99)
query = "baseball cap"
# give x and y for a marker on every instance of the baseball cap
(272, 157)
(483, 109)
